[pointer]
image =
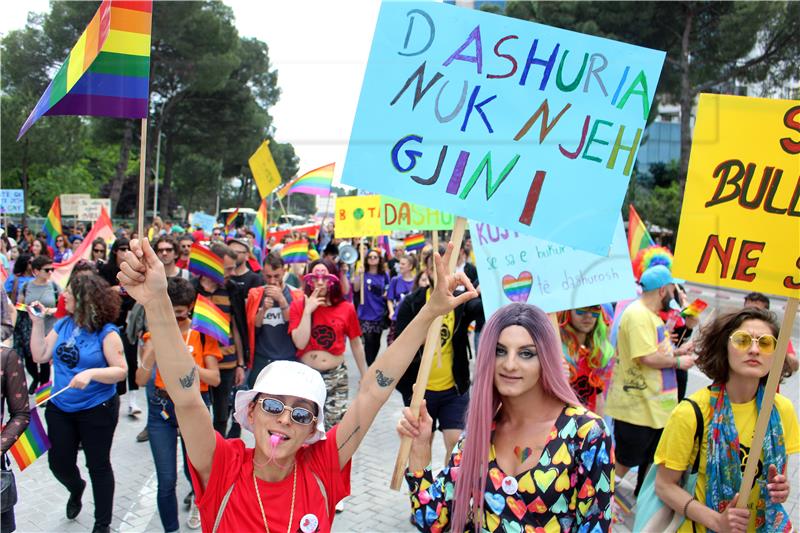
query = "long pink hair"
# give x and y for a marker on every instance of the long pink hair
(471, 480)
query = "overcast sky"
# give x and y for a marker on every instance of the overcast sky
(320, 50)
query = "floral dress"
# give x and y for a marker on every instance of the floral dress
(569, 490)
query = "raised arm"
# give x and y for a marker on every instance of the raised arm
(381, 378)
(142, 275)
(41, 346)
(302, 333)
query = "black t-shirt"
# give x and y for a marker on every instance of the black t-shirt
(247, 281)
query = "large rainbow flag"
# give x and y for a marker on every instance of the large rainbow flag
(32, 444)
(52, 224)
(638, 236)
(295, 252)
(204, 262)
(208, 319)
(260, 228)
(317, 182)
(107, 72)
(102, 228)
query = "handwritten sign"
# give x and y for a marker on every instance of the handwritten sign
(740, 222)
(205, 221)
(519, 268)
(398, 215)
(89, 208)
(12, 201)
(70, 203)
(525, 126)
(358, 216)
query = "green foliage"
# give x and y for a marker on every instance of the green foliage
(657, 196)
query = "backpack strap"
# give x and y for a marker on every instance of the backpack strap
(222, 506)
(698, 433)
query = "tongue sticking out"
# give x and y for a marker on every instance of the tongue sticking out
(274, 440)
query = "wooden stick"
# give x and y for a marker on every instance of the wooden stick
(51, 396)
(363, 271)
(142, 157)
(431, 341)
(767, 403)
(438, 344)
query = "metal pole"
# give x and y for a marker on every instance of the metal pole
(158, 159)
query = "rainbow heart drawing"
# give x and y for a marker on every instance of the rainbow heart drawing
(518, 289)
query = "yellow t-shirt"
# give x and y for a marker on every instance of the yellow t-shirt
(675, 447)
(639, 394)
(441, 376)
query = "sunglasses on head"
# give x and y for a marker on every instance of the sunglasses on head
(275, 407)
(581, 312)
(742, 340)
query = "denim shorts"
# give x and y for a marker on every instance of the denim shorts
(446, 407)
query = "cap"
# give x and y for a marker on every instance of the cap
(286, 378)
(656, 277)
(244, 241)
(73, 238)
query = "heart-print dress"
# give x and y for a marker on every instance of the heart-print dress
(569, 490)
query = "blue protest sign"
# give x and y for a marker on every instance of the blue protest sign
(12, 201)
(519, 268)
(204, 220)
(525, 126)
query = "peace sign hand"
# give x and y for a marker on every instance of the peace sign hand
(442, 300)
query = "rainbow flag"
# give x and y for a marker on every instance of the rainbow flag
(295, 252)
(208, 319)
(43, 392)
(317, 182)
(231, 218)
(638, 236)
(107, 72)
(32, 444)
(101, 228)
(260, 228)
(694, 308)
(414, 242)
(204, 262)
(52, 224)
(21, 307)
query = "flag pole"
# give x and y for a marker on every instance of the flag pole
(141, 206)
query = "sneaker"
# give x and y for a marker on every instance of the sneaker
(133, 409)
(193, 522)
(74, 504)
(143, 436)
(340, 507)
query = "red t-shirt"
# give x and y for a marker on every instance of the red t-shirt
(182, 263)
(330, 326)
(233, 464)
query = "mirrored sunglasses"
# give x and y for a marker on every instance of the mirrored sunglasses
(275, 407)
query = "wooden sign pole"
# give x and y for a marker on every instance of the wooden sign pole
(363, 271)
(435, 240)
(142, 158)
(431, 341)
(766, 403)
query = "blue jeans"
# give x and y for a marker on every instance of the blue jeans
(162, 426)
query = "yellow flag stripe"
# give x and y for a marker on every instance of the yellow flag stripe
(125, 42)
(75, 67)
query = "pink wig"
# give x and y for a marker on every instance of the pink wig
(485, 400)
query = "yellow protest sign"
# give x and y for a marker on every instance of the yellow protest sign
(358, 216)
(265, 173)
(740, 222)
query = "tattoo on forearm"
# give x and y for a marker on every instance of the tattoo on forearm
(342, 445)
(383, 379)
(188, 380)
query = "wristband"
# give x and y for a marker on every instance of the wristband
(240, 366)
(678, 362)
(147, 369)
(686, 506)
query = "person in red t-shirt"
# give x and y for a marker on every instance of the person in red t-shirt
(319, 325)
(296, 473)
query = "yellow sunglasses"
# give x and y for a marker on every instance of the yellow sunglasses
(742, 340)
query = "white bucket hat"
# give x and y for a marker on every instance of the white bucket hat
(286, 378)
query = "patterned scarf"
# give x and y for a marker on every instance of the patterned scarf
(724, 469)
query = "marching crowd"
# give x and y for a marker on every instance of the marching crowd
(539, 413)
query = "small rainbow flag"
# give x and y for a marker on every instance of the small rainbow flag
(32, 444)
(231, 218)
(414, 242)
(52, 224)
(204, 262)
(638, 236)
(21, 307)
(208, 319)
(260, 228)
(694, 308)
(107, 72)
(295, 252)
(317, 182)
(43, 392)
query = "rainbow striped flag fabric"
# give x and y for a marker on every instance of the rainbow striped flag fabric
(230, 220)
(295, 252)
(32, 444)
(260, 228)
(317, 182)
(204, 262)
(43, 393)
(102, 229)
(107, 72)
(208, 319)
(52, 224)
(414, 242)
(638, 236)
(694, 309)
(21, 307)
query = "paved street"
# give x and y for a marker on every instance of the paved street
(372, 508)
